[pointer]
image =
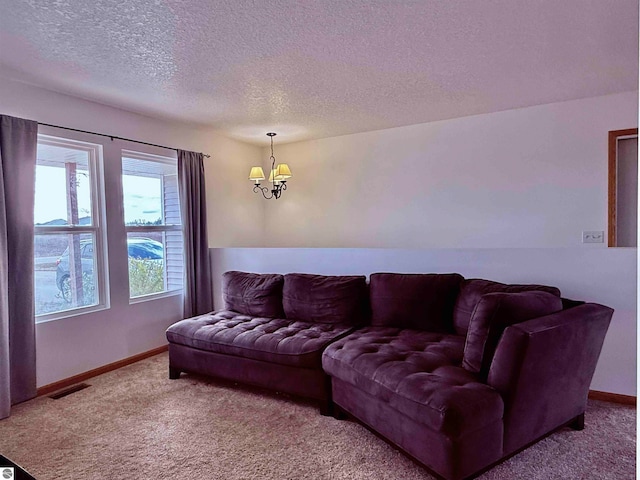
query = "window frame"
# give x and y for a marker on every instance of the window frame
(173, 162)
(97, 228)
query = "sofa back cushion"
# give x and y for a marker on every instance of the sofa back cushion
(473, 289)
(258, 295)
(415, 301)
(325, 299)
(493, 314)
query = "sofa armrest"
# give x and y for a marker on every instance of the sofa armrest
(543, 369)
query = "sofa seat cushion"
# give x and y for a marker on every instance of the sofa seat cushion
(419, 374)
(275, 340)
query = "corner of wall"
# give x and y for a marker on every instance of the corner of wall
(235, 217)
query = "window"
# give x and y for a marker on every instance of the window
(75, 221)
(68, 253)
(152, 219)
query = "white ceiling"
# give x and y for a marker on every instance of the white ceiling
(318, 68)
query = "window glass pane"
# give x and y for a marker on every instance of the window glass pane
(63, 186)
(64, 272)
(155, 262)
(146, 263)
(150, 191)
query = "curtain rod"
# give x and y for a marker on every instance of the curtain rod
(113, 137)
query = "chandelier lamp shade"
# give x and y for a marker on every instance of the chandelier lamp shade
(277, 177)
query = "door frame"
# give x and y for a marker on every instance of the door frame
(614, 136)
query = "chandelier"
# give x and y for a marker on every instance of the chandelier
(278, 176)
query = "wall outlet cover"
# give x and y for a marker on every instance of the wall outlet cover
(595, 236)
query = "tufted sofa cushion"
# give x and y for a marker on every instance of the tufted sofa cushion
(276, 340)
(254, 294)
(325, 298)
(414, 301)
(473, 289)
(493, 314)
(418, 374)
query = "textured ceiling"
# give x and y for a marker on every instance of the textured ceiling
(319, 68)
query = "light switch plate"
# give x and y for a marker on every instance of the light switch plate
(596, 236)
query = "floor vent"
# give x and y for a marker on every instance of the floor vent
(69, 390)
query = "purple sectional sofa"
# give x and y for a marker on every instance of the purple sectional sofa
(458, 373)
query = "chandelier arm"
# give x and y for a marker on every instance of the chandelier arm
(257, 188)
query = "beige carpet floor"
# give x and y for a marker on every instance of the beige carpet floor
(135, 423)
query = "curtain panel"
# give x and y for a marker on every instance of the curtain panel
(18, 147)
(198, 290)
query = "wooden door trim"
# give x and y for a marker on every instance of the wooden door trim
(614, 135)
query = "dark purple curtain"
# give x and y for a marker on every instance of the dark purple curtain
(198, 290)
(18, 147)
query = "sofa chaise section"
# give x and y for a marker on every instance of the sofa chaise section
(278, 353)
(465, 373)
(408, 386)
(261, 340)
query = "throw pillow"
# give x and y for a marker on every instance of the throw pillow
(473, 289)
(493, 314)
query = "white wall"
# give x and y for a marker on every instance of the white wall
(74, 345)
(531, 177)
(603, 275)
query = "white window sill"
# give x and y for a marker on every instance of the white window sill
(75, 312)
(154, 296)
